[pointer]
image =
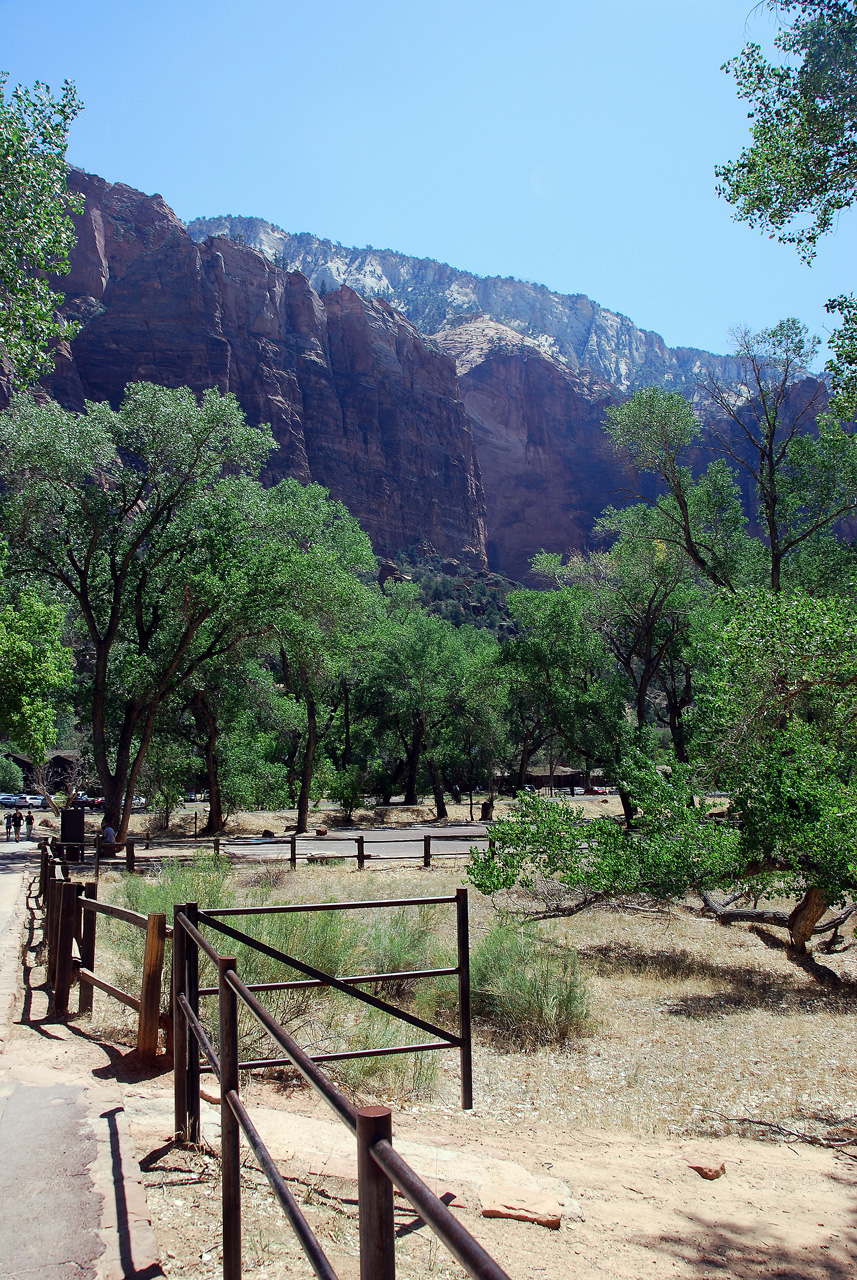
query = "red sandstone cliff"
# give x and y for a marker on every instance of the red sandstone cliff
(547, 466)
(356, 400)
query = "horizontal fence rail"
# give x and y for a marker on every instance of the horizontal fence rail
(380, 1167)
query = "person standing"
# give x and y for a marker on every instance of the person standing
(17, 819)
(30, 823)
(8, 824)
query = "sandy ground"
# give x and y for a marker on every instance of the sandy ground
(691, 1023)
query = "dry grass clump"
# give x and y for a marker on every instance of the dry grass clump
(527, 990)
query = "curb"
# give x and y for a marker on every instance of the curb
(11, 952)
(130, 1246)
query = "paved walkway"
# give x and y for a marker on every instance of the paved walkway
(72, 1206)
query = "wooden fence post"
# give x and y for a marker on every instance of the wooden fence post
(361, 853)
(375, 1197)
(150, 996)
(44, 865)
(54, 892)
(129, 855)
(293, 852)
(427, 850)
(217, 845)
(87, 950)
(65, 941)
(230, 1152)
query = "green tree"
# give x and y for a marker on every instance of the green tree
(411, 690)
(802, 161)
(777, 710)
(800, 169)
(638, 596)
(163, 561)
(35, 670)
(36, 233)
(476, 734)
(571, 673)
(804, 474)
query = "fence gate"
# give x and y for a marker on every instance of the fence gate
(379, 1166)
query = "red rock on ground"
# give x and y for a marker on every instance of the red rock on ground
(706, 1166)
(521, 1204)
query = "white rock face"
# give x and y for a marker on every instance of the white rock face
(570, 329)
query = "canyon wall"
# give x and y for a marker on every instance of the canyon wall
(480, 435)
(355, 398)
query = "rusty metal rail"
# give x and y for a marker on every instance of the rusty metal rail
(379, 1166)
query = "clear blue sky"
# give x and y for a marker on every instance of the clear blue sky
(567, 143)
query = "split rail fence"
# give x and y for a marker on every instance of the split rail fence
(71, 914)
(379, 1166)
(362, 847)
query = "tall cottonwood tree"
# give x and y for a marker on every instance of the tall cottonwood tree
(146, 522)
(803, 471)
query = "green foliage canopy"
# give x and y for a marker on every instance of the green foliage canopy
(36, 233)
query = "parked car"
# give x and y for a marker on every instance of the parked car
(29, 800)
(9, 801)
(139, 802)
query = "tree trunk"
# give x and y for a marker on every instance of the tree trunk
(113, 798)
(805, 917)
(306, 771)
(437, 789)
(205, 719)
(525, 762)
(628, 807)
(346, 713)
(413, 763)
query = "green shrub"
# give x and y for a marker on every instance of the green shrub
(326, 940)
(528, 989)
(400, 1075)
(335, 942)
(399, 940)
(203, 879)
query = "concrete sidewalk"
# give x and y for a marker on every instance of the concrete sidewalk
(72, 1204)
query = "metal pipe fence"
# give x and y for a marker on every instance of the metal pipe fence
(379, 1166)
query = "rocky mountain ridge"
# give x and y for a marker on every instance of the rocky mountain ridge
(483, 440)
(355, 399)
(570, 329)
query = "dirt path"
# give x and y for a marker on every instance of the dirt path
(784, 1211)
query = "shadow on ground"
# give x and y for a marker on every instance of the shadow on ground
(740, 987)
(741, 1253)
